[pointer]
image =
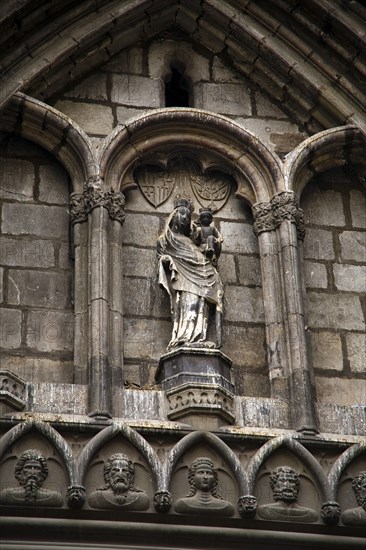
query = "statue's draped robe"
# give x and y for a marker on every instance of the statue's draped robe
(191, 282)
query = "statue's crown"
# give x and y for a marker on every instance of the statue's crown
(180, 200)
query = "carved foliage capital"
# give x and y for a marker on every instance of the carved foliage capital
(93, 196)
(283, 206)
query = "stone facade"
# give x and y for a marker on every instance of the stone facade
(335, 266)
(112, 116)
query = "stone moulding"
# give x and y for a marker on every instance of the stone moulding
(12, 390)
(200, 398)
(197, 381)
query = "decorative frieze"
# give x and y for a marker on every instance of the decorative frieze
(93, 196)
(206, 399)
(283, 206)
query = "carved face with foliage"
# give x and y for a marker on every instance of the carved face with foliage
(285, 484)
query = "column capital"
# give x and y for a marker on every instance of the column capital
(94, 196)
(283, 206)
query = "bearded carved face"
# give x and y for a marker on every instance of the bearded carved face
(359, 485)
(120, 477)
(286, 487)
(31, 478)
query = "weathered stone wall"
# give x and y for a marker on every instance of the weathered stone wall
(133, 83)
(335, 273)
(36, 332)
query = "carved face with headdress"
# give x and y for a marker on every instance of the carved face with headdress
(202, 475)
(285, 484)
(181, 218)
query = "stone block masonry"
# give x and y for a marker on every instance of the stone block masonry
(335, 276)
(132, 83)
(36, 326)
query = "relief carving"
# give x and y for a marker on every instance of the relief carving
(285, 485)
(357, 516)
(204, 497)
(162, 501)
(75, 496)
(283, 206)
(190, 279)
(81, 204)
(30, 471)
(119, 490)
(211, 190)
(157, 183)
(247, 506)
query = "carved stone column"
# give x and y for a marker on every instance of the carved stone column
(276, 337)
(287, 355)
(95, 276)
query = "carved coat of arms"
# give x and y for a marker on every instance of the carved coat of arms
(211, 190)
(155, 184)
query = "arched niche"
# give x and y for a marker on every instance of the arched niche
(256, 170)
(36, 261)
(218, 164)
(328, 171)
(55, 132)
(55, 453)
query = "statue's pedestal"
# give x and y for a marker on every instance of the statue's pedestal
(198, 386)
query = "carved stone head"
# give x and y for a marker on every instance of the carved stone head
(205, 215)
(202, 475)
(285, 484)
(119, 473)
(30, 472)
(359, 487)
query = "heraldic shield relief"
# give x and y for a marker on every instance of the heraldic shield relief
(210, 188)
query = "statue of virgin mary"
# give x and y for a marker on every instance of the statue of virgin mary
(190, 279)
